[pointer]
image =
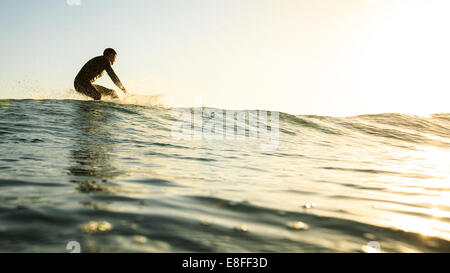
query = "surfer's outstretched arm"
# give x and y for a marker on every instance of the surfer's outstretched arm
(114, 78)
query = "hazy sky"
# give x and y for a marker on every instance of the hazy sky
(324, 57)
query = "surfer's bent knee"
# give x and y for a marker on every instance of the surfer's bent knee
(88, 90)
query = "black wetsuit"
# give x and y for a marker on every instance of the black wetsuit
(91, 71)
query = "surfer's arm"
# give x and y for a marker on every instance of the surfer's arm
(114, 78)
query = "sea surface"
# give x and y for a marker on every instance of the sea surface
(111, 177)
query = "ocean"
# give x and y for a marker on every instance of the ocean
(112, 177)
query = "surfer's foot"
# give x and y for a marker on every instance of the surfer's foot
(106, 91)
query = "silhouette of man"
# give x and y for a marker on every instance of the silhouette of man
(94, 69)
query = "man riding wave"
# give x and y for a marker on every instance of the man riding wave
(94, 69)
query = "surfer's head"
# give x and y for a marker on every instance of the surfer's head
(110, 54)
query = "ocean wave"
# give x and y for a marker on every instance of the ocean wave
(333, 184)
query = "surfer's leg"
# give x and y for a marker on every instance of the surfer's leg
(89, 90)
(106, 91)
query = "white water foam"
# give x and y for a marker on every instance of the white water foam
(137, 99)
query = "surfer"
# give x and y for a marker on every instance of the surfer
(94, 69)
